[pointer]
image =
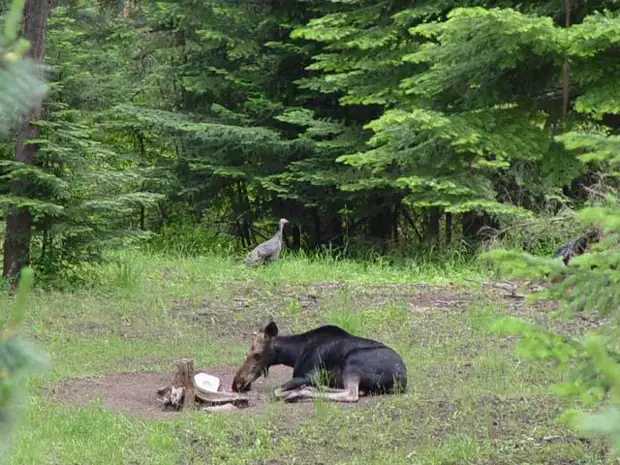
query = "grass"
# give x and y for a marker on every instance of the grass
(470, 400)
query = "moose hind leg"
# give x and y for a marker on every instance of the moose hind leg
(350, 393)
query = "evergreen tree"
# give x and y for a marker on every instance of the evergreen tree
(86, 190)
(463, 127)
(21, 88)
(590, 285)
(20, 216)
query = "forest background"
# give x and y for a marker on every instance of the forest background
(382, 130)
(374, 127)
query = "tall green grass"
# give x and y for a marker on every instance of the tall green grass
(468, 402)
(126, 270)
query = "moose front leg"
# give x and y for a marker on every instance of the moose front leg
(349, 394)
(291, 386)
(296, 384)
(278, 392)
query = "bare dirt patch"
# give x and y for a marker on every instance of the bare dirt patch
(135, 393)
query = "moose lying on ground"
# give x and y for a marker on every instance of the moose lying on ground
(352, 364)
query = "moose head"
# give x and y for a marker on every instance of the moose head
(260, 357)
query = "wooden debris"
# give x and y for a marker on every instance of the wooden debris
(220, 408)
(183, 393)
(505, 286)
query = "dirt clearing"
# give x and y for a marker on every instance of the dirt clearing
(136, 393)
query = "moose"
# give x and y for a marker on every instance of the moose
(328, 363)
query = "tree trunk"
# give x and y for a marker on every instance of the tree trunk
(245, 233)
(46, 242)
(19, 222)
(448, 229)
(381, 221)
(335, 232)
(566, 67)
(432, 229)
(142, 217)
(296, 230)
(316, 217)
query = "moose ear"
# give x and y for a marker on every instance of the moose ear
(269, 327)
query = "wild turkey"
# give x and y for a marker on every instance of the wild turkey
(268, 251)
(578, 246)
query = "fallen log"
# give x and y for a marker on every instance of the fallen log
(184, 393)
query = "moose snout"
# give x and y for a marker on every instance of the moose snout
(243, 379)
(241, 385)
(247, 374)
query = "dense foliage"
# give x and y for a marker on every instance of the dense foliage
(590, 286)
(365, 123)
(590, 289)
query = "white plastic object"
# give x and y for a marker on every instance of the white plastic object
(207, 382)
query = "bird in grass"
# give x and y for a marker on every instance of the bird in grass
(268, 251)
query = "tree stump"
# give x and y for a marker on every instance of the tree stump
(184, 394)
(186, 374)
